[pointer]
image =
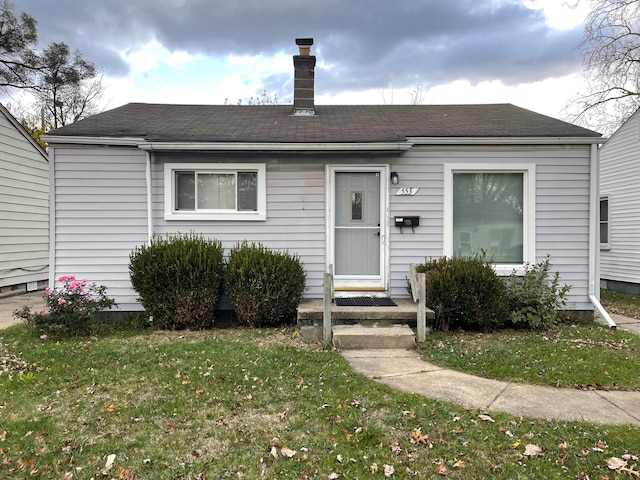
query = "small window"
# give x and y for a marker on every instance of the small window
(215, 192)
(604, 222)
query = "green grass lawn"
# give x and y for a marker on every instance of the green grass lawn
(621, 303)
(254, 404)
(588, 356)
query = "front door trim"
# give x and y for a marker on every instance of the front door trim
(365, 282)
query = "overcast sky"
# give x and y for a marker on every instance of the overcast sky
(374, 51)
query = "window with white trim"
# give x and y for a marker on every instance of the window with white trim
(215, 191)
(604, 222)
(492, 210)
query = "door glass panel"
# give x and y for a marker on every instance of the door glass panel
(356, 206)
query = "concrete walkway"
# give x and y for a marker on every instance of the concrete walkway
(406, 371)
(10, 304)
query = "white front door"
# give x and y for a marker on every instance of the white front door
(358, 228)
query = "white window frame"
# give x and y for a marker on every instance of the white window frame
(528, 214)
(170, 212)
(607, 244)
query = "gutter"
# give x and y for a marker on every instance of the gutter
(594, 238)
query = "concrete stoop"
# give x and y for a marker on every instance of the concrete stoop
(361, 337)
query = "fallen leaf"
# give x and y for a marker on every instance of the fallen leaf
(373, 468)
(531, 450)
(459, 464)
(615, 463)
(111, 407)
(388, 470)
(442, 470)
(486, 418)
(418, 437)
(274, 452)
(333, 476)
(108, 464)
(274, 442)
(287, 452)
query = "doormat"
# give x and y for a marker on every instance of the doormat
(365, 302)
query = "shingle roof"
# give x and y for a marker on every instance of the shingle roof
(345, 123)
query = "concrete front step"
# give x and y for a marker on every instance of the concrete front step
(360, 337)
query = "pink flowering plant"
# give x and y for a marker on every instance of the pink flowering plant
(70, 307)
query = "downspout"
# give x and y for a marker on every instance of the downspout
(594, 238)
(52, 217)
(149, 199)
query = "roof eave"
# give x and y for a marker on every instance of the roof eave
(506, 140)
(91, 140)
(278, 147)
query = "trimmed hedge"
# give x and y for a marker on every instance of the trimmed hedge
(178, 278)
(264, 285)
(465, 292)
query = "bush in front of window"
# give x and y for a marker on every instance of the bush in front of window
(178, 279)
(465, 292)
(265, 286)
(535, 299)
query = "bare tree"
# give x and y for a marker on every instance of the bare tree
(18, 59)
(69, 86)
(611, 59)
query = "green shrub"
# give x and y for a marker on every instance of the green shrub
(534, 299)
(465, 292)
(70, 307)
(178, 279)
(264, 285)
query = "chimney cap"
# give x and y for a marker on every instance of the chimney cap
(304, 42)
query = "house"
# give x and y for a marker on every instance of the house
(366, 189)
(24, 209)
(620, 208)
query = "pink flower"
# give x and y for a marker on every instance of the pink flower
(90, 298)
(62, 301)
(44, 336)
(40, 312)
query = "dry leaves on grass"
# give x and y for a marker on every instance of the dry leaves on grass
(10, 364)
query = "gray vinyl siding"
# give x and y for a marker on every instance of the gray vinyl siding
(24, 208)
(561, 216)
(100, 216)
(99, 223)
(620, 182)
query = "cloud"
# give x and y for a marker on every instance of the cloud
(367, 43)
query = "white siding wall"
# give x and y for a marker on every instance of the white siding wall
(24, 208)
(99, 223)
(620, 181)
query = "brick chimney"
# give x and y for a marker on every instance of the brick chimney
(304, 67)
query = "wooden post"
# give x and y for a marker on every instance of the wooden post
(326, 313)
(422, 307)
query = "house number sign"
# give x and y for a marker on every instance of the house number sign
(407, 191)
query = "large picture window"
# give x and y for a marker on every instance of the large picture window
(217, 192)
(490, 211)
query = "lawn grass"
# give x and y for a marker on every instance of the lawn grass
(255, 404)
(620, 303)
(586, 356)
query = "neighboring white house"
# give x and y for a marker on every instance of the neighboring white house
(367, 189)
(24, 209)
(620, 208)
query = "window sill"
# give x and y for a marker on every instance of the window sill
(232, 217)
